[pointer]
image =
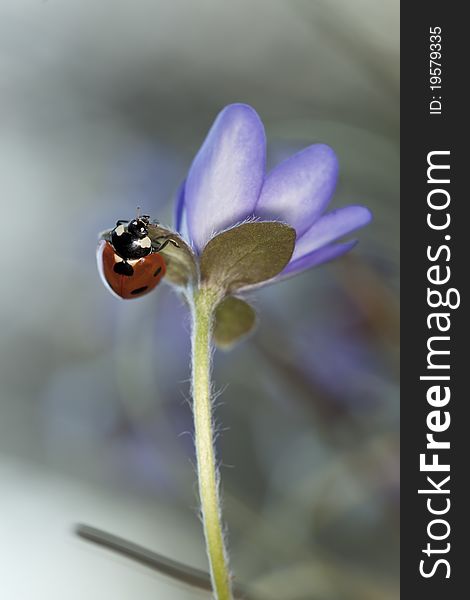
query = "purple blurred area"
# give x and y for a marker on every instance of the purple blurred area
(103, 106)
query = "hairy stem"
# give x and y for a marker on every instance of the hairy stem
(204, 303)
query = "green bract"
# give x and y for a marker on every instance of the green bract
(246, 254)
(234, 318)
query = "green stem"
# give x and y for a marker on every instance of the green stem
(204, 303)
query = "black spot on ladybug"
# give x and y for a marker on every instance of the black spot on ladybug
(138, 291)
(123, 268)
(157, 272)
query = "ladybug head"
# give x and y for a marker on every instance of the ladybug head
(139, 226)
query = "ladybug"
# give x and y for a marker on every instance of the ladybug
(129, 262)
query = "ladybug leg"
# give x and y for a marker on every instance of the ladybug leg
(167, 240)
(106, 235)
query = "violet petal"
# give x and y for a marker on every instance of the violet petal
(331, 227)
(317, 257)
(226, 176)
(179, 206)
(298, 190)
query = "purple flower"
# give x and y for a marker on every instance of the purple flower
(227, 184)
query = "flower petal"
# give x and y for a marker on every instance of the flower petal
(180, 215)
(226, 176)
(317, 257)
(298, 190)
(179, 206)
(330, 227)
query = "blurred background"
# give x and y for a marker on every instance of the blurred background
(103, 105)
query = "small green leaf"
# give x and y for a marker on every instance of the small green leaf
(234, 318)
(180, 262)
(247, 254)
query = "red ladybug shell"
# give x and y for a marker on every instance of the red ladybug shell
(148, 272)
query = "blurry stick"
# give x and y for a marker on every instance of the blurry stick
(179, 571)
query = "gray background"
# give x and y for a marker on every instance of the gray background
(103, 104)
